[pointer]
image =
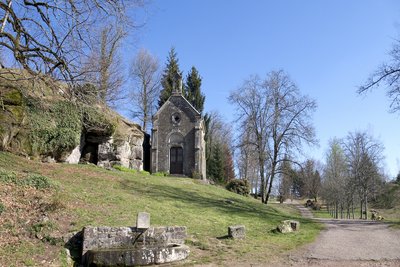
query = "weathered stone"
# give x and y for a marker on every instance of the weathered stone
(104, 237)
(74, 156)
(237, 231)
(288, 226)
(143, 221)
(134, 257)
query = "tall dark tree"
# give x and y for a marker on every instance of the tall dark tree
(193, 90)
(218, 164)
(169, 77)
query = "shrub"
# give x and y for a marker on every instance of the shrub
(8, 177)
(160, 174)
(196, 175)
(240, 187)
(37, 181)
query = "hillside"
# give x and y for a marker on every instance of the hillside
(37, 212)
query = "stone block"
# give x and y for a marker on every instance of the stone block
(95, 238)
(288, 226)
(143, 221)
(237, 231)
(137, 256)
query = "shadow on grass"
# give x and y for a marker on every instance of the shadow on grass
(224, 237)
(214, 201)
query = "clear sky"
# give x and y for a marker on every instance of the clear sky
(327, 47)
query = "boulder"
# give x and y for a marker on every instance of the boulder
(237, 231)
(288, 226)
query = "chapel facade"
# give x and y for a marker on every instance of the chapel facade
(177, 138)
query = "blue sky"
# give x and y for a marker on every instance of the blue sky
(327, 47)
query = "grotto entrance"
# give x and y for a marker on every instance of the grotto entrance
(90, 153)
(90, 149)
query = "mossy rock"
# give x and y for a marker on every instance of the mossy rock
(12, 97)
(17, 113)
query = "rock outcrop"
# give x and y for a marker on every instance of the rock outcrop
(46, 123)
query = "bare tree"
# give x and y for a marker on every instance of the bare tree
(364, 156)
(247, 161)
(389, 74)
(103, 67)
(146, 89)
(311, 178)
(335, 178)
(51, 36)
(279, 117)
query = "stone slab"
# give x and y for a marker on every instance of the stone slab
(143, 221)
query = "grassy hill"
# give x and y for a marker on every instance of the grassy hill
(41, 203)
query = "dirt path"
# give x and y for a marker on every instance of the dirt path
(350, 243)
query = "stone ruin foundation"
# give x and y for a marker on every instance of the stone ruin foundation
(132, 246)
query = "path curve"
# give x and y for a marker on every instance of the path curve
(350, 243)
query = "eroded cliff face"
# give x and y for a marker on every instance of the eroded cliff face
(40, 122)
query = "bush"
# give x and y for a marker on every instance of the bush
(196, 175)
(160, 174)
(240, 187)
(38, 181)
(34, 180)
(8, 177)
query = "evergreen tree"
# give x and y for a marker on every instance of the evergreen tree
(217, 165)
(169, 77)
(193, 90)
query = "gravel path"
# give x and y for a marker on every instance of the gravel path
(350, 243)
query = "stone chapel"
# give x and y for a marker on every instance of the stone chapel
(178, 145)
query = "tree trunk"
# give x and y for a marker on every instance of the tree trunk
(361, 209)
(262, 178)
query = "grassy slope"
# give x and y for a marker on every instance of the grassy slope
(89, 195)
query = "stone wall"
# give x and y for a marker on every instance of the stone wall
(104, 237)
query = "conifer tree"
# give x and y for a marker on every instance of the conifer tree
(193, 90)
(169, 77)
(218, 164)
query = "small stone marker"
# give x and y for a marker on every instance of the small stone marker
(237, 231)
(143, 221)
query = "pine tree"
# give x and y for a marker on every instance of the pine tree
(218, 164)
(169, 77)
(193, 90)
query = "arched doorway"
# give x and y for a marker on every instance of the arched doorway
(176, 160)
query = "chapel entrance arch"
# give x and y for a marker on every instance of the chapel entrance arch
(176, 160)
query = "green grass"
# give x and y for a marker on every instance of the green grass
(95, 196)
(322, 213)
